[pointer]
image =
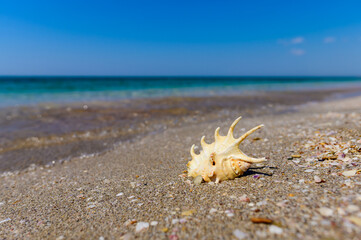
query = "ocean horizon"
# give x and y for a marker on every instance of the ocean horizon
(32, 90)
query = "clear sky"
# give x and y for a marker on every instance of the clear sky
(171, 37)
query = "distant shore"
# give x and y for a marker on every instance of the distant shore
(309, 188)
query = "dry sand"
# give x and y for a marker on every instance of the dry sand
(140, 183)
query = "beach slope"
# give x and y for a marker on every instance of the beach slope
(309, 188)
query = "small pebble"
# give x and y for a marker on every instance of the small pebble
(120, 194)
(127, 236)
(239, 234)
(153, 223)
(244, 198)
(352, 208)
(141, 226)
(349, 173)
(229, 213)
(326, 212)
(212, 210)
(188, 213)
(183, 220)
(317, 179)
(275, 230)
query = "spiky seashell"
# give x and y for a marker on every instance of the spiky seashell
(221, 160)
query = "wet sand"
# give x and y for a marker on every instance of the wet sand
(50, 133)
(141, 181)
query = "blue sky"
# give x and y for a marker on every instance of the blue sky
(180, 37)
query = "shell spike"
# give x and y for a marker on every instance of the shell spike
(245, 158)
(244, 136)
(203, 142)
(193, 154)
(216, 134)
(231, 129)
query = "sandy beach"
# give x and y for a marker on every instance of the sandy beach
(310, 188)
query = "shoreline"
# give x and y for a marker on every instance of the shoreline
(141, 182)
(47, 134)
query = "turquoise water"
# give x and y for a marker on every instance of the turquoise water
(16, 91)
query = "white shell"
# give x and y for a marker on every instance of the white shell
(221, 160)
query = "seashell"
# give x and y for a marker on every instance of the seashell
(222, 159)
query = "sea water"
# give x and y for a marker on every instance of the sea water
(18, 91)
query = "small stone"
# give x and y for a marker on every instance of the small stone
(127, 236)
(106, 181)
(349, 173)
(244, 198)
(120, 194)
(309, 170)
(173, 236)
(175, 221)
(296, 156)
(212, 210)
(153, 223)
(183, 220)
(165, 230)
(282, 203)
(317, 179)
(261, 203)
(275, 230)
(141, 226)
(188, 213)
(239, 234)
(352, 208)
(198, 180)
(101, 238)
(229, 213)
(261, 234)
(326, 212)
